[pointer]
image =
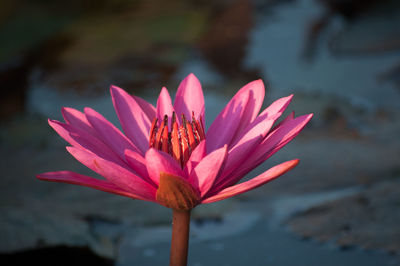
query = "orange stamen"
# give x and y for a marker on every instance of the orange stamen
(157, 144)
(165, 139)
(181, 141)
(153, 132)
(189, 131)
(176, 148)
(184, 144)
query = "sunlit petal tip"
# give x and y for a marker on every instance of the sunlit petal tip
(114, 88)
(191, 78)
(189, 97)
(289, 99)
(115, 91)
(66, 110)
(306, 118)
(257, 86)
(164, 105)
(55, 124)
(68, 113)
(258, 82)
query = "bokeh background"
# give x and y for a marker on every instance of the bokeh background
(341, 59)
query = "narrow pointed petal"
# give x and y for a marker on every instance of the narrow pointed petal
(164, 106)
(272, 112)
(82, 180)
(236, 116)
(147, 107)
(134, 120)
(278, 106)
(256, 92)
(286, 119)
(157, 162)
(224, 126)
(116, 174)
(109, 134)
(138, 163)
(205, 173)
(285, 133)
(239, 154)
(78, 120)
(273, 142)
(260, 180)
(189, 97)
(197, 155)
(85, 141)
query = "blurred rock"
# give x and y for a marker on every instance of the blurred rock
(367, 220)
(376, 31)
(367, 27)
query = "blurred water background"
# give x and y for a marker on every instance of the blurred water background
(340, 58)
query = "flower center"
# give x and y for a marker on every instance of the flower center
(181, 140)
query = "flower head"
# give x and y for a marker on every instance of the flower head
(166, 155)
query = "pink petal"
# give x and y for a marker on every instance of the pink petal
(158, 161)
(116, 174)
(287, 118)
(239, 154)
(82, 180)
(272, 112)
(205, 173)
(83, 140)
(224, 126)
(164, 107)
(256, 92)
(260, 180)
(138, 163)
(110, 135)
(78, 120)
(197, 155)
(236, 116)
(273, 142)
(134, 120)
(189, 97)
(147, 107)
(278, 106)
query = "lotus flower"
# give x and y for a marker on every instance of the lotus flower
(166, 156)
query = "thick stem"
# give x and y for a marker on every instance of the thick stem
(180, 238)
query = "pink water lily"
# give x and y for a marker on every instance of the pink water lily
(165, 154)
